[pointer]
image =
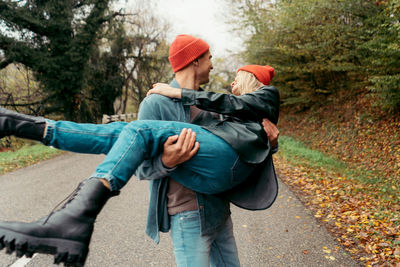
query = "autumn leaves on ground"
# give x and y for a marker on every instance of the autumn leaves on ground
(343, 162)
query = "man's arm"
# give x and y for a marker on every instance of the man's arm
(177, 149)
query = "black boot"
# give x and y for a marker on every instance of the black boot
(21, 125)
(65, 233)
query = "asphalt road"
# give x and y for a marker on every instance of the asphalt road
(284, 235)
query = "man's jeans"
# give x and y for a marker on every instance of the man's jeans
(215, 168)
(193, 250)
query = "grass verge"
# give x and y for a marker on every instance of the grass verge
(299, 154)
(25, 156)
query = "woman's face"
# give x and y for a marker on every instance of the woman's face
(235, 87)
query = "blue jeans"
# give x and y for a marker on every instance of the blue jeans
(194, 250)
(82, 137)
(128, 144)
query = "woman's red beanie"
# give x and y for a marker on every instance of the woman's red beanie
(184, 49)
(263, 73)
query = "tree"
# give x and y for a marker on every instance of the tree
(314, 45)
(56, 40)
(146, 60)
(105, 72)
(381, 54)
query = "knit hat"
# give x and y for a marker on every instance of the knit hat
(184, 49)
(263, 73)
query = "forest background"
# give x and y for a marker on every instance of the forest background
(337, 65)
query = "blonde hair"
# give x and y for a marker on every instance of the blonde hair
(247, 82)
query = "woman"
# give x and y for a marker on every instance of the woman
(237, 143)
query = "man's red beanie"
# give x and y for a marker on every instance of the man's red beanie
(263, 73)
(184, 49)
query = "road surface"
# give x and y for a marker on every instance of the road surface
(284, 235)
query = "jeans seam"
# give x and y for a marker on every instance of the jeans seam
(220, 254)
(176, 129)
(123, 155)
(51, 128)
(182, 239)
(65, 130)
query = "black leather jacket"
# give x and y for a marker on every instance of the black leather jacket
(242, 129)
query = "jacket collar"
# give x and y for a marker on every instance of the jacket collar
(175, 84)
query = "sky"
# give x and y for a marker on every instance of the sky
(202, 18)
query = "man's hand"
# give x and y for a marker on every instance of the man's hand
(178, 149)
(272, 132)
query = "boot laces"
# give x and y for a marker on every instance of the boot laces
(66, 201)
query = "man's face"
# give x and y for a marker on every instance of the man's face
(204, 67)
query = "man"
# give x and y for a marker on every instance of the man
(200, 222)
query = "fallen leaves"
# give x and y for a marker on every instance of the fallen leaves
(364, 215)
(366, 225)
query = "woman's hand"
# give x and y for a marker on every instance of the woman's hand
(165, 90)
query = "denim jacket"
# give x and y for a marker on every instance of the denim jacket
(214, 210)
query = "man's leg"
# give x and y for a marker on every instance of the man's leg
(190, 248)
(224, 252)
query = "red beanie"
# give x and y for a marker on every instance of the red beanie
(263, 73)
(184, 49)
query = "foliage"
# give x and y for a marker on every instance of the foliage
(382, 54)
(56, 40)
(320, 46)
(83, 55)
(105, 80)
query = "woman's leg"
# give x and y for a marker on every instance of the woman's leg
(215, 168)
(66, 232)
(21, 125)
(82, 137)
(65, 135)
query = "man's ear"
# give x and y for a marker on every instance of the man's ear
(196, 62)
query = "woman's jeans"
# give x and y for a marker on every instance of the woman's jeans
(215, 168)
(192, 249)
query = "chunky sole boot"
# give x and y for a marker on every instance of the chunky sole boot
(65, 233)
(21, 125)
